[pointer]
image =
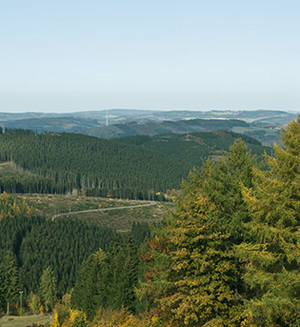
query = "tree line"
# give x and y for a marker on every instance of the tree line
(62, 163)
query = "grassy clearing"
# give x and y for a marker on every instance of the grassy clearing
(16, 321)
(52, 204)
(120, 220)
(9, 169)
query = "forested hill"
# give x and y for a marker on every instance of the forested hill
(62, 163)
(193, 148)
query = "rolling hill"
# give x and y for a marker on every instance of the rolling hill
(261, 124)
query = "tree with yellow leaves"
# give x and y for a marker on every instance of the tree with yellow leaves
(193, 272)
(272, 253)
(204, 270)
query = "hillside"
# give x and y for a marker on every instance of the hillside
(73, 163)
(193, 148)
(63, 163)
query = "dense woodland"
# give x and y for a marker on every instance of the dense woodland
(31, 245)
(227, 256)
(136, 168)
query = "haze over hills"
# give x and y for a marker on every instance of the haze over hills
(139, 115)
(261, 124)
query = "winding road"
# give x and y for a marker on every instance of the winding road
(102, 209)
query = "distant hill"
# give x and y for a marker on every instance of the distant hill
(125, 122)
(53, 124)
(154, 128)
(193, 148)
(266, 133)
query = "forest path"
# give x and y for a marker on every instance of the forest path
(102, 209)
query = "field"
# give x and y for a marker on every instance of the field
(16, 321)
(266, 135)
(120, 219)
(9, 169)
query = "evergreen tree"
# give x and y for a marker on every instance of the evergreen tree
(272, 253)
(193, 268)
(9, 278)
(222, 182)
(48, 288)
(203, 267)
(2, 288)
(90, 291)
(122, 262)
(129, 276)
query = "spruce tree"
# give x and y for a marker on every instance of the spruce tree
(129, 277)
(272, 254)
(222, 182)
(192, 265)
(48, 290)
(9, 277)
(2, 288)
(203, 267)
(90, 291)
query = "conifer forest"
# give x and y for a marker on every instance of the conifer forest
(225, 254)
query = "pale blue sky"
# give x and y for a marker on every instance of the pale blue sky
(71, 55)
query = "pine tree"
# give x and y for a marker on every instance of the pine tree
(2, 288)
(272, 256)
(193, 270)
(48, 288)
(129, 277)
(203, 267)
(222, 182)
(90, 291)
(9, 276)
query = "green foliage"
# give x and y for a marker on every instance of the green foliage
(34, 303)
(61, 163)
(48, 290)
(193, 148)
(272, 253)
(193, 272)
(204, 271)
(11, 207)
(222, 183)
(38, 243)
(9, 280)
(227, 256)
(108, 279)
(90, 291)
(66, 163)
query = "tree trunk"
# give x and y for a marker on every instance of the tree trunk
(7, 310)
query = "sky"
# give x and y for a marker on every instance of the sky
(70, 55)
